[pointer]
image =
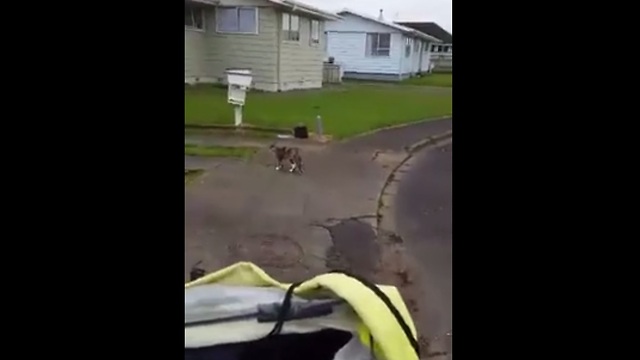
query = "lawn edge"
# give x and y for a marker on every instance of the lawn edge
(396, 126)
(251, 151)
(238, 128)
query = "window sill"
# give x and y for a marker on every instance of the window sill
(236, 33)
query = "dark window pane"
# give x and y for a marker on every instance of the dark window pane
(247, 19)
(385, 41)
(188, 19)
(227, 19)
(198, 19)
(375, 40)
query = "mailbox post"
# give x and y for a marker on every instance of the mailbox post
(238, 81)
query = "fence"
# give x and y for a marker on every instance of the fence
(442, 62)
(331, 73)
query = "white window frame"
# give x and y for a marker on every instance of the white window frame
(287, 31)
(314, 39)
(193, 10)
(237, 9)
(371, 52)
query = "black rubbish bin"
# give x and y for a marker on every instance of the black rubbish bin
(300, 132)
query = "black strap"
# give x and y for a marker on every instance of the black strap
(385, 299)
(284, 310)
(286, 305)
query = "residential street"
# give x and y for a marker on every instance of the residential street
(423, 219)
(298, 226)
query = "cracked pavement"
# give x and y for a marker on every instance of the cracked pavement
(245, 210)
(298, 226)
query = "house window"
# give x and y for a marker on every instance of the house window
(378, 44)
(193, 17)
(315, 31)
(290, 27)
(407, 47)
(237, 20)
(416, 47)
(434, 48)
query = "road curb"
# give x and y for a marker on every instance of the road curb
(392, 248)
(411, 150)
(398, 126)
(428, 141)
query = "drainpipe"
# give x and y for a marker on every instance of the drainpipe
(278, 50)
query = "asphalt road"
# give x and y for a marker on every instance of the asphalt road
(423, 219)
(395, 139)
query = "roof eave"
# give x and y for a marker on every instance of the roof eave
(306, 9)
(427, 37)
(403, 29)
(204, 2)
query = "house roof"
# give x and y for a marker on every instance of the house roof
(206, 2)
(430, 28)
(404, 29)
(297, 6)
(294, 6)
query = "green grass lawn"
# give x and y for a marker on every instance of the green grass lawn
(218, 151)
(191, 174)
(431, 80)
(347, 109)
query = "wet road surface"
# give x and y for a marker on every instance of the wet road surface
(396, 139)
(423, 219)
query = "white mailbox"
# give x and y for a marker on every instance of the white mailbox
(239, 81)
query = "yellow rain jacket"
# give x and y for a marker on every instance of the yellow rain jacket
(377, 320)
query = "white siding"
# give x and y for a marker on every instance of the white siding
(346, 43)
(354, 23)
(426, 58)
(415, 55)
(349, 51)
(406, 62)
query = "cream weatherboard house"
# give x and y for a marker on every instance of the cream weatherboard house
(280, 41)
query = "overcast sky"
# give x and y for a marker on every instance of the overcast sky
(438, 11)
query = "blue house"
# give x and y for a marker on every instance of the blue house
(374, 49)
